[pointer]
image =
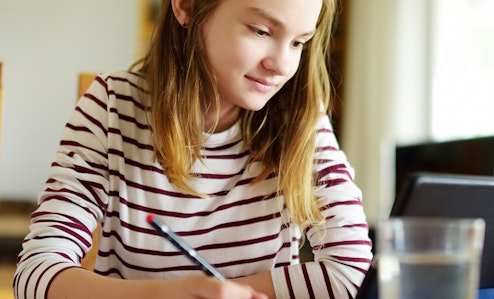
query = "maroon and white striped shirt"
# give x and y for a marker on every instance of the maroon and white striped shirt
(104, 171)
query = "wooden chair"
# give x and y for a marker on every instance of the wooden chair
(84, 80)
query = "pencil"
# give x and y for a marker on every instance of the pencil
(188, 251)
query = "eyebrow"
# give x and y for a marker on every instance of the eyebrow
(271, 18)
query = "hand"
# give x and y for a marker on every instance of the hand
(79, 283)
(205, 287)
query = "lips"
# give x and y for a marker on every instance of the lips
(261, 85)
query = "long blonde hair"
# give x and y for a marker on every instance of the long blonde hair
(281, 135)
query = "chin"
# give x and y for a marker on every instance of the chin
(256, 104)
(252, 107)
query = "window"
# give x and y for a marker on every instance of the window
(463, 69)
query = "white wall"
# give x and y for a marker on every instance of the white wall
(387, 92)
(43, 46)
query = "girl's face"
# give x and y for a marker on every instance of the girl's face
(254, 47)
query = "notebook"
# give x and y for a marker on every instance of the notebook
(427, 194)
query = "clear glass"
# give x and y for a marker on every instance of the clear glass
(429, 258)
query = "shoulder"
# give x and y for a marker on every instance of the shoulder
(120, 85)
(325, 136)
(114, 89)
(324, 123)
(121, 79)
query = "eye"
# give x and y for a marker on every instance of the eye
(298, 44)
(258, 31)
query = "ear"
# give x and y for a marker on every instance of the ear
(182, 10)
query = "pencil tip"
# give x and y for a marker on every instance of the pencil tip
(150, 218)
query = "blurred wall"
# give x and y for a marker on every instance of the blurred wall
(44, 45)
(387, 91)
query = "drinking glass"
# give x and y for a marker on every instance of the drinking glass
(429, 258)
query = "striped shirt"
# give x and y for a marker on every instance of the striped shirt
(104, 171)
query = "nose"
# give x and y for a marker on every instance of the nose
(280, 61)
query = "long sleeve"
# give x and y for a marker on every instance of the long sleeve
(72, 202)
(342, 249)
(105, 171)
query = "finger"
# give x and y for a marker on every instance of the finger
(211, 288)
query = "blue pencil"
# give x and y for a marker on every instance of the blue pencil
(188, 251)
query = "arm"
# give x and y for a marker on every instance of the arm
(73, 201)
(262, 282)
(77, 283)
(341, 247)
(342, 258)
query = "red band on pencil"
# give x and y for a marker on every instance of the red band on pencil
(150, 218)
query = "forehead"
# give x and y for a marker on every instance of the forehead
(292, 14)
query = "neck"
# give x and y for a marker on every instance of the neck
(227, 117)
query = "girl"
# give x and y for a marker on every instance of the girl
(221, 133)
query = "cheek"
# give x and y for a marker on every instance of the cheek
(294, 67)
(238, 56)
(223, 52)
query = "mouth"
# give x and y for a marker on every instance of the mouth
(261, 85)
